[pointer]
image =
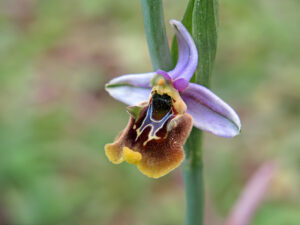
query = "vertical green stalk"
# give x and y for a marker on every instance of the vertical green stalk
(200, 19)
(204, 32)
(205, 17)
(156, 34)
(193, 178)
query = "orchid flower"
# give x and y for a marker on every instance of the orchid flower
(163, 107)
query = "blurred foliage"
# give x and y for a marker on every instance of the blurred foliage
(55, 117)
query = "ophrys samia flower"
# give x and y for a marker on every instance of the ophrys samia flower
(163, 108)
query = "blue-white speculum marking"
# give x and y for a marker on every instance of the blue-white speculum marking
(158, 113)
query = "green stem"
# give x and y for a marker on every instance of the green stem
(200, 20)
(205, 17)
(204, 32)
(193, 178)
(156, 34)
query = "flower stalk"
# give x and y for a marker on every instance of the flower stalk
(201, 20)
(204, 31)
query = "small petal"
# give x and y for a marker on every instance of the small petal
(187, 53)
(180, 84)
(164, 74)
(130, 89)
(210, 113)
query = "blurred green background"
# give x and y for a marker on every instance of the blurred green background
(55, 117)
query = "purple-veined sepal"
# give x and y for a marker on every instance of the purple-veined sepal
(209, 112)
(187, 53)
(131, 89)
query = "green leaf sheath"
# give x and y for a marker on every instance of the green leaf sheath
(193, 178)
(202, 14)
(205, 37)
(156, 34)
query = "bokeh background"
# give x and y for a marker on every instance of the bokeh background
(55, 116)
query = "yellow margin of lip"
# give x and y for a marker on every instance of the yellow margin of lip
(131, 156)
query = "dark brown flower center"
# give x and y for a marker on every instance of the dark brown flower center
(153, 122)
(162, 104)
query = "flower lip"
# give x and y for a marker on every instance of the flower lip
(154, 146)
